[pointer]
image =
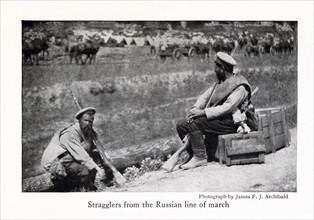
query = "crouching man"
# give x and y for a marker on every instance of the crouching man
(69, 155)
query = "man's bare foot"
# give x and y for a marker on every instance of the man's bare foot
(185, 161)
(194, 162)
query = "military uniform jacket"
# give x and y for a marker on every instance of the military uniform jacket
(71, 140)
(227, 97)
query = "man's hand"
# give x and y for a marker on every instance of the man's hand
(196, 112)
(100, 174)
(243, 128)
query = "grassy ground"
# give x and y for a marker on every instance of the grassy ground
(138, 98)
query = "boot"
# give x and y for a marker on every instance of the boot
(188, 157)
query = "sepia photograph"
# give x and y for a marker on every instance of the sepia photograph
(156, 110)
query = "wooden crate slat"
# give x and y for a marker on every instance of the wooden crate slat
(283, 116)
(220, 150)
(271, 133)
(266, 109)
(239, 135)
(278, 129)
(268, 145)
(245, 161)
(244, 146)
(280, 141)
(276, 117)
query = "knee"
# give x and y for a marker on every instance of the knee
(77, 169)
(184, 127)
(83, 171)
(181, 124)
(197, 124)
(86, 176)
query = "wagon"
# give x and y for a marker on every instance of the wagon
(176, 51)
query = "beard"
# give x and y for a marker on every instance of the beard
(221, 75)
(88, 131)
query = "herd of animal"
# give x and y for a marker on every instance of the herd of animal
(35, 43)
(268, 44)
(83, 48)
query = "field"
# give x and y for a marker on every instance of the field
(138, 98)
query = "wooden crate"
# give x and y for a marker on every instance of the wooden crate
(241, 148)
(272, 124)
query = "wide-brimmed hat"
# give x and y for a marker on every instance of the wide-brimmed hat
(225, 60)
(83, 110)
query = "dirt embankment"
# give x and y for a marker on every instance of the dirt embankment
(277, 174)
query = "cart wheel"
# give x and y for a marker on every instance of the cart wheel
(176, 54)
(192, 53)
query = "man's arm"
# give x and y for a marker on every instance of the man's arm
(203, 99)
(232, 102)
(72, 144)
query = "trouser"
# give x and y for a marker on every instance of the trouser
(78, 177)
(202, 126)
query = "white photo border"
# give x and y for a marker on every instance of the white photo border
(18, 205)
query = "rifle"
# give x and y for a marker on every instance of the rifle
(172, 161)
(118, 177)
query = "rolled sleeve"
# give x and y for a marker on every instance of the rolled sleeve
(73, 145)
(232, 102)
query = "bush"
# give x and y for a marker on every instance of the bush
(131, 173)
(147, 165)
